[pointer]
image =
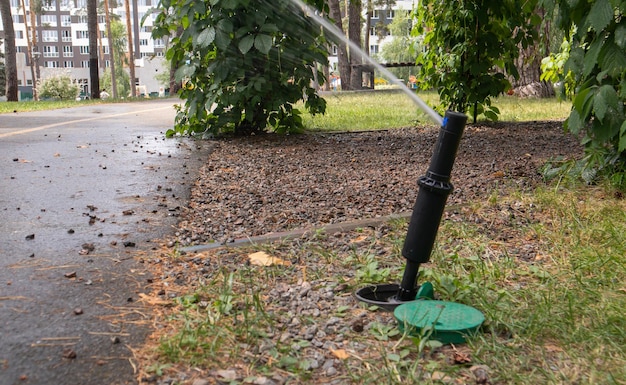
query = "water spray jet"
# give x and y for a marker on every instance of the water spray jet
(449, 322)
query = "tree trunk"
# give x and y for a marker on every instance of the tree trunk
(131, 56)
(10, 61)
(354, 34)
(29, 53)
(111, 53)
(342, 51)
(92, 28)
(528, 64)
(33, 48)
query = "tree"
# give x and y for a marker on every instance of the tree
(343, 60)
(107, 15)
(117, 43)
(131, 54)
(10, 51)
(597, 64)
(92, 30)
(402, 48)
(244, 63)
(354, 34)
(470, 45)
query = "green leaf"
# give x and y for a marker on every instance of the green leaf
(263, 43)
(591, 56)
(620, 36)
(622, 137)
(574, 123)
(222, 39)
(246, 43)
(185, 71)
(205, 37)
(583, 102)
(600, 15)
(230, 4)
(612, 59)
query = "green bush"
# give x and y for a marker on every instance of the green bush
(59, 87)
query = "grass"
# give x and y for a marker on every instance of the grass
(44, 105)
(547, 269)
(350, 111)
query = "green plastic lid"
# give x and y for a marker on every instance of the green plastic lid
(451, 322)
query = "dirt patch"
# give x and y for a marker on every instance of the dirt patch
(254, 186)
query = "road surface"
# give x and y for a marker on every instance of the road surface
(85, 192)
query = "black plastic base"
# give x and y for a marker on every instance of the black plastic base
(384, 296)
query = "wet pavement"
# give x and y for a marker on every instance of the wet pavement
(85, 193)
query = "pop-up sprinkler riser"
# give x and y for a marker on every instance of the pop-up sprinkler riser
(434, 188)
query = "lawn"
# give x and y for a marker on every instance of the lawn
(393, 109)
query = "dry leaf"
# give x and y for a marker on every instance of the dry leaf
(358, 239)
(154, 300)
(261, 258)
(340, 353)
(82, 146)
(56, 155)
(25, 161)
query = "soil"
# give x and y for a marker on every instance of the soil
(270, 183)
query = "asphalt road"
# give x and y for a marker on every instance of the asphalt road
(85, 193)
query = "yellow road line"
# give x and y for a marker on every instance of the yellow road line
(26, 131)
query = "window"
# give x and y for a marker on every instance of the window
(372, 31)
(391, 14)
(375, 14)
(82, 34)
(105, 49)
(67, 51)
(49, 5)
(68, 64)
(15, 4)
(16, 19)
(84, 49)
(160, 54)
(373, 48)
(66, 35)
(333, 50)
(49, 20)
(159, 43)
(66, 20)
(107, 64)
(51, 64)
(49, 35)
(50, 51)
(82, 19)
(19, 34)
(84, 64)
(81, 3)
(29, 82)
(143, 41)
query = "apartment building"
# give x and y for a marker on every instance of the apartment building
(63, 45)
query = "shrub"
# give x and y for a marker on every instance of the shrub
(59, 87)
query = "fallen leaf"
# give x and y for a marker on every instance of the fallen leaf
(359, 239)
(340, 353)
(261, 258)
(56, 155)
(25, 161)
(150, 300)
